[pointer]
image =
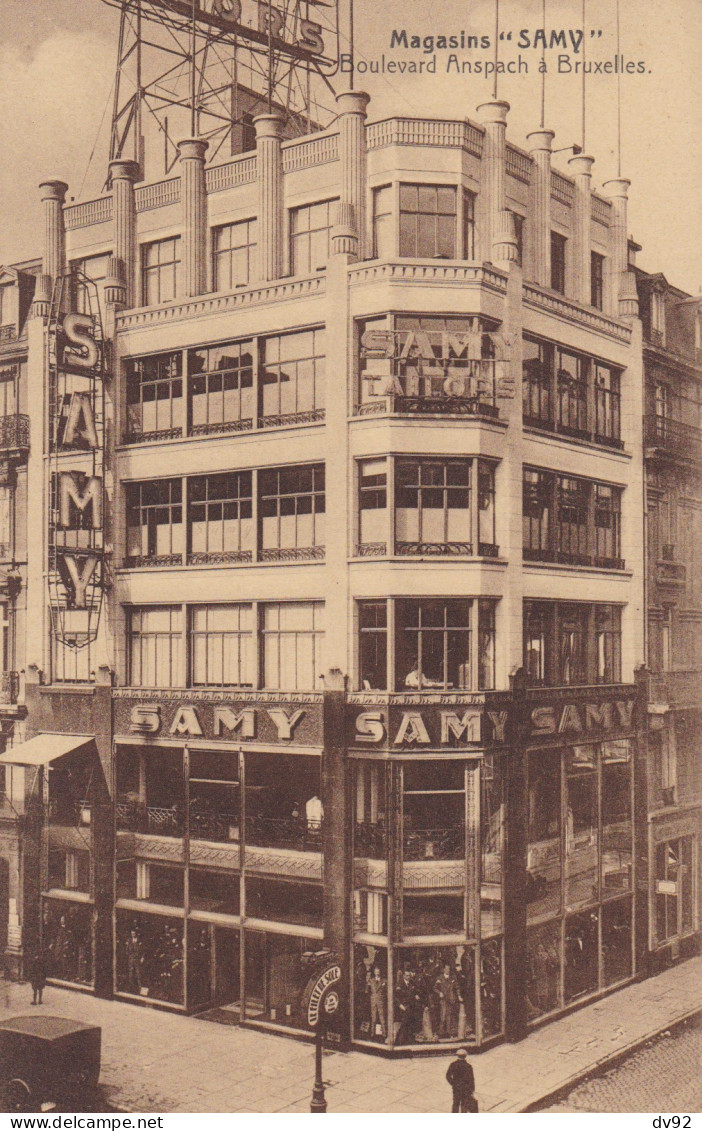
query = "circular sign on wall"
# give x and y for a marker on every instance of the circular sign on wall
(319, 994)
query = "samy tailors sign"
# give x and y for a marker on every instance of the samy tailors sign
(76, 462)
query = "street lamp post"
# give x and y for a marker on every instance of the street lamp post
(321, 1000)
(318, 1103)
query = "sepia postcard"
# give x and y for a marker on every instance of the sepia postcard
(350, 598)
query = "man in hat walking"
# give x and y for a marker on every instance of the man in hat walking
(460, 1077)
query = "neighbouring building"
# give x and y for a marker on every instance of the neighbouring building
(335, 556)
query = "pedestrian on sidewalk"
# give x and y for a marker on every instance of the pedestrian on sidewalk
(37, 974)
(460, 1077)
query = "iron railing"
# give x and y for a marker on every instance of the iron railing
(673, 436)
(14, 432)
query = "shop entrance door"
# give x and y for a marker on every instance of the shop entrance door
(676, 913)
(227, 982)
(255, 973)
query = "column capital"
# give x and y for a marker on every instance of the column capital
(123, 170)
(619, 187)
(581, 165)
(353, 102)
(269, 125)
(193, 148)
(53, 189)
(494, 112)
(540, 139)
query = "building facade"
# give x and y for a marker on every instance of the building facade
(335, 547)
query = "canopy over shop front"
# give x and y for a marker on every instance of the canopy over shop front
(45, 748)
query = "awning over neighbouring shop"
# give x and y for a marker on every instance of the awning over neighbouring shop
(45, 748)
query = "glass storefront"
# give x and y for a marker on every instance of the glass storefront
(149, 956)
(67, 938)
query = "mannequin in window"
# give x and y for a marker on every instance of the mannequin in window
(314, 813)
(416, 680)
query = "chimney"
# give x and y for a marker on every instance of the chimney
(123, 175)
(53, 195)
(493, 115)
(540, 205)
(193, 196)
(581, 167)
(269, 169)
(352, 152)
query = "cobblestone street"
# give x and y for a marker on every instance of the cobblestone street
(664, 1076)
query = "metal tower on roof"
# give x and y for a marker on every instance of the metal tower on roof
(206, 68)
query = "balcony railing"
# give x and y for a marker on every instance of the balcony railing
(434, 844)
(679, 689)
(295, 833)
(674, 436)
(7, 334)
(159, 820)
(14, 433)
(9, 688)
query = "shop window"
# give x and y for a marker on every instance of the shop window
(165, 886)
(544, 834)
(199, 966)
(161, 812)
(220, 518)
(616, 941)
(310, 236)
(370, 994)
(428, 914)
(370, 912)
(581, 826)
(221, 388)
(149, 952)
(428, 221)
(433, 644)
(597, 280)
(580, 974)
(543, 969)
(67, 940)
(292, 378)
(221, 645)
(292, 640)
(383, 225)
(160, 271)
(155, 528)
(214, 796)
(284, 901)
(214, 891)
(286, 963)
(69, 869)
(372, 505)
(491, 841)
(434, 995)
(234, 254)
(155, 644)
(371, 810)
(292, 511)
(491, 987)
(434, 811)
(558, 262)
(155, 397)
(283, 802)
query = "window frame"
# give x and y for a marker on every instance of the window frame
(221, 255)
(159, 271)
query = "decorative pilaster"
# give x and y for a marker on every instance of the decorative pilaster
(123, 176)
(115, 283)
(53, 195)
(581, 167)
(493, 115)
(540, 206)
(193, 195)
(618, 192)
(269, 168)
(352, 154)
(41, 302)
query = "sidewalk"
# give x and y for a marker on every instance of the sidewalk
(159, 1062)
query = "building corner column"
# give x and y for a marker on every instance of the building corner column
(581, 167)
(540, 142)
(351, 216)
(493, 116)
(336, 840)
(193, 196)
(269, 171)
(623, 281)
(123, 176)
(53, 196)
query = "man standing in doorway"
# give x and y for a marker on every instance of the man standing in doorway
(460, 1077)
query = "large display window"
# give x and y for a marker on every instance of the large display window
(149, 956)
(67, 940)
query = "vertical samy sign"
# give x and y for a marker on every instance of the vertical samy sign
(76, 457)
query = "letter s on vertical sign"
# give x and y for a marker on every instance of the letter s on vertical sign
(370, 727)
(311, 37)
(83, 353)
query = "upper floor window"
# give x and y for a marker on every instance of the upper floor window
(569, 643)
(220, 518)
(597, 280)
(160, 271)
(572, 384)
(570, 393)
(607, 403)
(155, 529)
(383, 229)
(428, 217)
(292, 639)
(571, 520)
(221, 646)
(155, 643)
(6, 523)
(310, 236)
(8, 390)
(292, 506)
(292, 375)
(221, 388)
(558, 262)
(658, 317)
(155, 396)
(234, 254)
(94, 267)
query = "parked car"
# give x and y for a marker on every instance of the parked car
(47, 1060)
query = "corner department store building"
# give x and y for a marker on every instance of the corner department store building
(368, 513)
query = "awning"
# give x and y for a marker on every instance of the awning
(44, 748)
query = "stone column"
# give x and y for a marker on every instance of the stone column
(352, 153)
(123, 175)
(53, 195)
(581, 167)
(493, 116)
(540, 206)
(269, 169)
(193, 197)
(618, 192)
(41, 302)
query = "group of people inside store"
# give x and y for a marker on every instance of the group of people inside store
(150, 959)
